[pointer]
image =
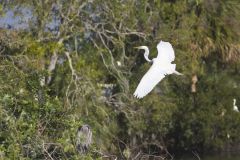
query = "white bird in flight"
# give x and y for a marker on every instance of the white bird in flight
(161, 67)
(235, 108)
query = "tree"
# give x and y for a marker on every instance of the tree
(74, 63)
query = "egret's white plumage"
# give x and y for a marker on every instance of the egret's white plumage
(235, 108)
(165, 52)
(161, 67)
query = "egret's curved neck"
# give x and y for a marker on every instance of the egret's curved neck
(146, 54)
(234, 102)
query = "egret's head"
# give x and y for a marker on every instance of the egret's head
(142, 47)
(146, 53)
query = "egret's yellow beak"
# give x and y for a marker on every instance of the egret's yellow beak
(137, 47)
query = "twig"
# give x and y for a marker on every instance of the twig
(196, 154)
(45, 150)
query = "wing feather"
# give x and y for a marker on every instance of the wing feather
(149, 81)
(165, 52)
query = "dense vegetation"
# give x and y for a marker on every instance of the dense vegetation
(73, 63)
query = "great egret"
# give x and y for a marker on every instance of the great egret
(161, 67)
(119, 63)
(235, 108)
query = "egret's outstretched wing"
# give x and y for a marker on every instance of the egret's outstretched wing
(165, 52)
(149, 81)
